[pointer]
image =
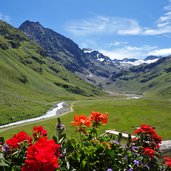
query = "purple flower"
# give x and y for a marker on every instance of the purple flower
(134, 148)
(130, 169)
(60, 127)
(136, 162)
(113, 141)
(109, 169)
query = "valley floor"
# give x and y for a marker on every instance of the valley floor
(124, 115)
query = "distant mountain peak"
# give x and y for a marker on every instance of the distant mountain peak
(29, 23)
(56, 45)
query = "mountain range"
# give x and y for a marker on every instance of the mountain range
(39, 66)
(68, 53)
(31, 81)
(88, 64)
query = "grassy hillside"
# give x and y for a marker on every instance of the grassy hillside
(153, 78)
(30, 81)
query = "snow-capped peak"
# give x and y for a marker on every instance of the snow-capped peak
(87, 50)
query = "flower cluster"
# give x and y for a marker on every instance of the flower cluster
(15, 141)
(21, 152)
(38, 132)
(98, 118)
(149, 152)
(148, 130)
(81, 120)
(150, 140)
(95, 117)
(89, 152)
(43, 155)
(108, 152)
(167, 161)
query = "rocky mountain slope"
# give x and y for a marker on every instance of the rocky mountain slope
(31, 81)
(131, 75)
(153, 78)
(62, 49)
(85, 64)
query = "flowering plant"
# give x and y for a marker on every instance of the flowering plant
(21, 152)
(89, 152)
(109, 152)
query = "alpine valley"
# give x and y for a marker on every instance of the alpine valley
(39, 67)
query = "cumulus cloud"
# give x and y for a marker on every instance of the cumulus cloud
(129, 52)
(120, 25)
(136, 52)
(105, 25)
(163, 24)
(100, 25)
(161, 52)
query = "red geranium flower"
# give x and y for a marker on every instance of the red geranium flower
(149, 131)
(17, 139)
(39, 131)
(98, 117)
(42, 156)
(167, 161)
(81, 120)
(156, 138)
(145, 129)
(149, 152)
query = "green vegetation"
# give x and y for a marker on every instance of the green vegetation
(154, 78)
(30, 81)
(124, 115)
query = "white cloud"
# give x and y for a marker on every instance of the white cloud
(136, 52)
(5, 18)
(129, 52)
(120, 25)
(161, 52)
(117, 43)
(107, 26)
(104, 24)
(163, 24)
(118, 53)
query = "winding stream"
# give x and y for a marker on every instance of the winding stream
(57, 111)
(50, 113)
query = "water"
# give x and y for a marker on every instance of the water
(50, 113)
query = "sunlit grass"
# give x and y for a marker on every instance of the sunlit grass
(124, 115)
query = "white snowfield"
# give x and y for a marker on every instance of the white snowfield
(50, 113)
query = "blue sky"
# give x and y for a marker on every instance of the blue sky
(117, 28)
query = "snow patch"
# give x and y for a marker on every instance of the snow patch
(101, 59)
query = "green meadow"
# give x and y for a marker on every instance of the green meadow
(31, 82)
(124, 115)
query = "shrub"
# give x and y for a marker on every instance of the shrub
(89, 152)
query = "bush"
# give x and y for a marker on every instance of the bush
(91, 152)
